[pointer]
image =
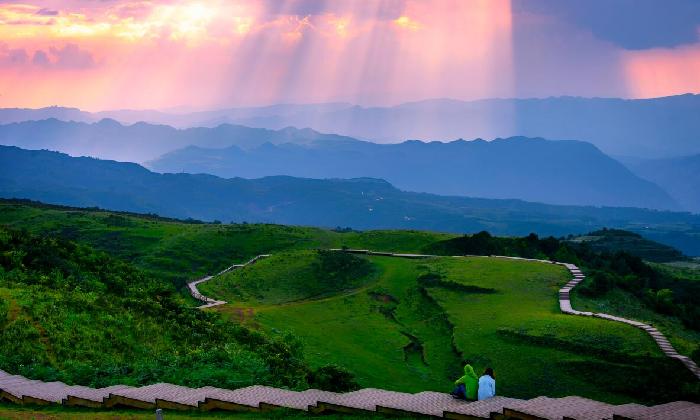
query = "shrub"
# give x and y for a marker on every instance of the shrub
(332, 378)
(598, 284)
(87, 318)
(662, 300)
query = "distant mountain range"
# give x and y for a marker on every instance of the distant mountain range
(359, 203)
(680, 177)
(554, 172)
(649, 128)
(109, 139)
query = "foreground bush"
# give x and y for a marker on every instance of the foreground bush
(72, 314)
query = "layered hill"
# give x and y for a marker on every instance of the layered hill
(358, 203)
(109, 139)
(651, 128)
(556, 172)
(679, 176)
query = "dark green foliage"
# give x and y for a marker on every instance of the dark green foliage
(654, 381)
(696, 355)
(613, 240)
(332, 378)
(483, 243)
(436, 280)
(650, 379)
(292, 276)
(70, 313)
(598, 283)
(339, 268)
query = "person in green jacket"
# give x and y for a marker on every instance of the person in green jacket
(466, 385)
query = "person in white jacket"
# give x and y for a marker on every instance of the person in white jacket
(487, 385)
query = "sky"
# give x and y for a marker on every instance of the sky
(201, 54)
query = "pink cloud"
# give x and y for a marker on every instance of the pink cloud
(159, 53)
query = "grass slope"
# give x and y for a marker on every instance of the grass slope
(405, 333)
(292, 276)
(405, 325)
(176, 252)
(72, 314)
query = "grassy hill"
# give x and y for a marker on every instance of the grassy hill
(612, 240)
(361, 203)
(293, 276)
(409, 328)
(396, 323)
(70, 313)
(176, 251)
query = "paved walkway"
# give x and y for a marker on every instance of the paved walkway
(659, 338)
(21, 390)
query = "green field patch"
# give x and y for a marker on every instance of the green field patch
(436, 280)
(292, 276)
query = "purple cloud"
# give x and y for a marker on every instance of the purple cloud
(12, 57)
(47, 12)
(41, 59)
(630, 24)
(71, 57)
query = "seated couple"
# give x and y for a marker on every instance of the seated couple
(471, 388)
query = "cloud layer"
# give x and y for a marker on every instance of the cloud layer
(158, 54)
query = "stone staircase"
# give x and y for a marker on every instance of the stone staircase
(208, 302)
(656, 335)
(21, 390)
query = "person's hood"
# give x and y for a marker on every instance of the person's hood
(469, 370)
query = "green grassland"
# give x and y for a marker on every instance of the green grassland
(292, 276)
(402, 331)
(176, 252)
(114, 309)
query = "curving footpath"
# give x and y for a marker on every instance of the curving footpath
(659, 338)
(20, 390)
(207, 301)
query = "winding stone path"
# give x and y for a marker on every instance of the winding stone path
(656, 335)
(207, 301)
